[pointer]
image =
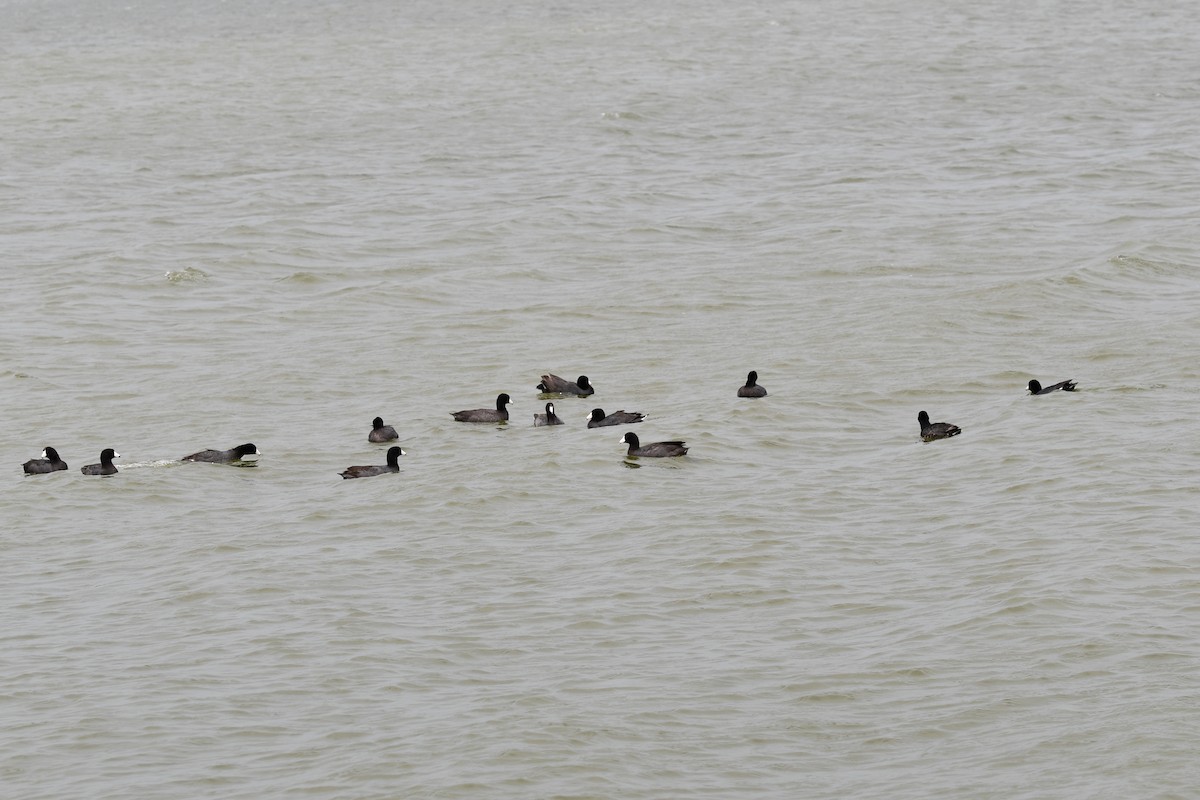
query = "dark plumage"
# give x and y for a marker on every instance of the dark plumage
(598, 419)
(1037, 388)
(552, 384)
(498, 414)
(654, 450)
(393, 465)
(936, 430)
(751, 389)
(49, 462)
(224, 456)
(549, 418)
(380, 432)
(105, 467)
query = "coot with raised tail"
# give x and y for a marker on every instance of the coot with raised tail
(1037, 388)
(549, 418)
(936, 430)
(751, 389)
(224, 456)
(598, 419)
(105, 467)
(497, 414)
(393, 465)
(552, 384)
(381, 433)
(653, 450)
(49, 462)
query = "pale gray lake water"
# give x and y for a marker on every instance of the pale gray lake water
(271, 221)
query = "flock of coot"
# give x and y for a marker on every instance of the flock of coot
(52, 462)
(550, 384)
(581, 387)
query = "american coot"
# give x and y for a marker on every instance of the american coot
(380, 432)
(1037, 388)
(752, 389)
(549, 418)
(49, 462)
(105, 467)
(224, 456)
(498, 414)
(552, 384)
(936, 430)
(654, 450)
(598, 419)
(393, 465)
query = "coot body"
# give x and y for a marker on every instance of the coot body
(381, 433)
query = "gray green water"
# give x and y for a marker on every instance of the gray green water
(273, 221)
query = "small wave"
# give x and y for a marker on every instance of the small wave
(188, 275)
(162, 462)
(302, 278)
(1136, 265)
(625, 115)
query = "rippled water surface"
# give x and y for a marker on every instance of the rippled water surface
(272, 221)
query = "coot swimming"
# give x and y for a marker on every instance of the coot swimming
(598, 419)
(936, 430)
(653, 450)
(393, 465)
(49, 462)
(549, 418)
(380, 432)
(105, 467)
(751, 389)
(497, 414)
(224, 456)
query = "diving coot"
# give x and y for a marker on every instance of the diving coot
(552, 384)
(1037, 388)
